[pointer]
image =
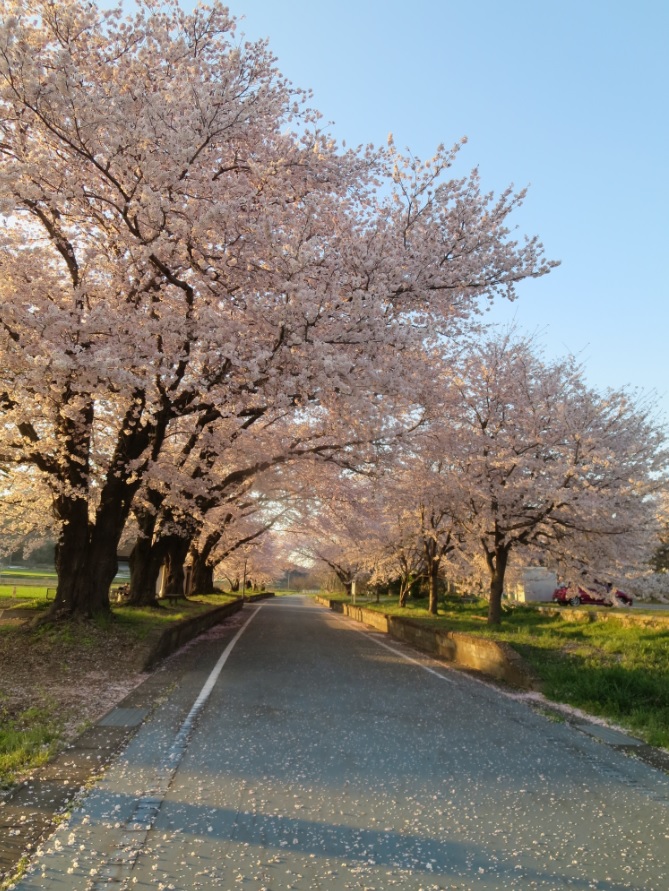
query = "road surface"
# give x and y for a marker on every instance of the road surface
(323, 756)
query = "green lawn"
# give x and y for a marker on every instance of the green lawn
(27, 740)
(36, 593)
(38, 585)
(143, 621)
(27, 573)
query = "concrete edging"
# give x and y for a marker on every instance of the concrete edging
(493, 658)
(180, 633)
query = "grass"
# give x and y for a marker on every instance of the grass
(145, 621)
(612, 669)
(28, 593)
(35, 585)
(27, 740)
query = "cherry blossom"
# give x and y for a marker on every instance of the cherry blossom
(183, 247)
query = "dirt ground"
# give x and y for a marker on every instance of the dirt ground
(71, 675)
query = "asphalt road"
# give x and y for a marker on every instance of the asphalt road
(326, 757)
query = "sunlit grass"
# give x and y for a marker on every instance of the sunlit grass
(25, 592)
(218, 599)
(27, 740)
(38, 585)
(145, 620)
(28, 573)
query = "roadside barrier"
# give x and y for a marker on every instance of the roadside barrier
(495, 659)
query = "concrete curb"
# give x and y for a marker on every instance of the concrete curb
(180, 633)
(174, 637)
(495, 659)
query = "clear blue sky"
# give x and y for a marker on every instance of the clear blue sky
(570, 97)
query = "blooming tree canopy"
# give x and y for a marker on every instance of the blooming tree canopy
(180, 241)
(541, 462)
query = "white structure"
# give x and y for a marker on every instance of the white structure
(534, 583)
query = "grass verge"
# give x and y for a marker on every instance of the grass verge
(610, 669)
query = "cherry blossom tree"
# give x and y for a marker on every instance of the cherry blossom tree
(427, 516)
(256, 564)
(193, 495)
(412, 519)
(339, 526)
(545, 464)
(403, 558)
(181, 243)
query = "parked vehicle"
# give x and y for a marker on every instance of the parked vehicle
(574, 595)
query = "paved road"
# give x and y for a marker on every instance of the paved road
(330, 758)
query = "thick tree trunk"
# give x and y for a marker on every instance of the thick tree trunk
(86, 554)
(147, 555)
(86, 569)
(146, 559)
(176, 553)
(86, 558)
(202, 580)
(73, 563)
(497, 561)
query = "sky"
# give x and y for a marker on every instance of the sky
(568, 97)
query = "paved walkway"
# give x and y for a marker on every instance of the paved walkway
(318, 756)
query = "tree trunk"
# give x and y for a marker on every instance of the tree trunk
(86, 554)
(406, 580)
(432, 564)
(497, 561)
(86, 564)
(202, 580)
(176, 553)
(404, 592)
(433, 584)
(146, 559)
(147, 555)
(73, 565)
(86, 558)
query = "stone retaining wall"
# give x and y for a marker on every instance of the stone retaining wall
(493, 658)
(181, 632)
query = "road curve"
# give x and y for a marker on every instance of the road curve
(326, 757)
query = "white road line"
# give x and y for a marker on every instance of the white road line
(216, 670)
(119, 865)
(394, 650)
